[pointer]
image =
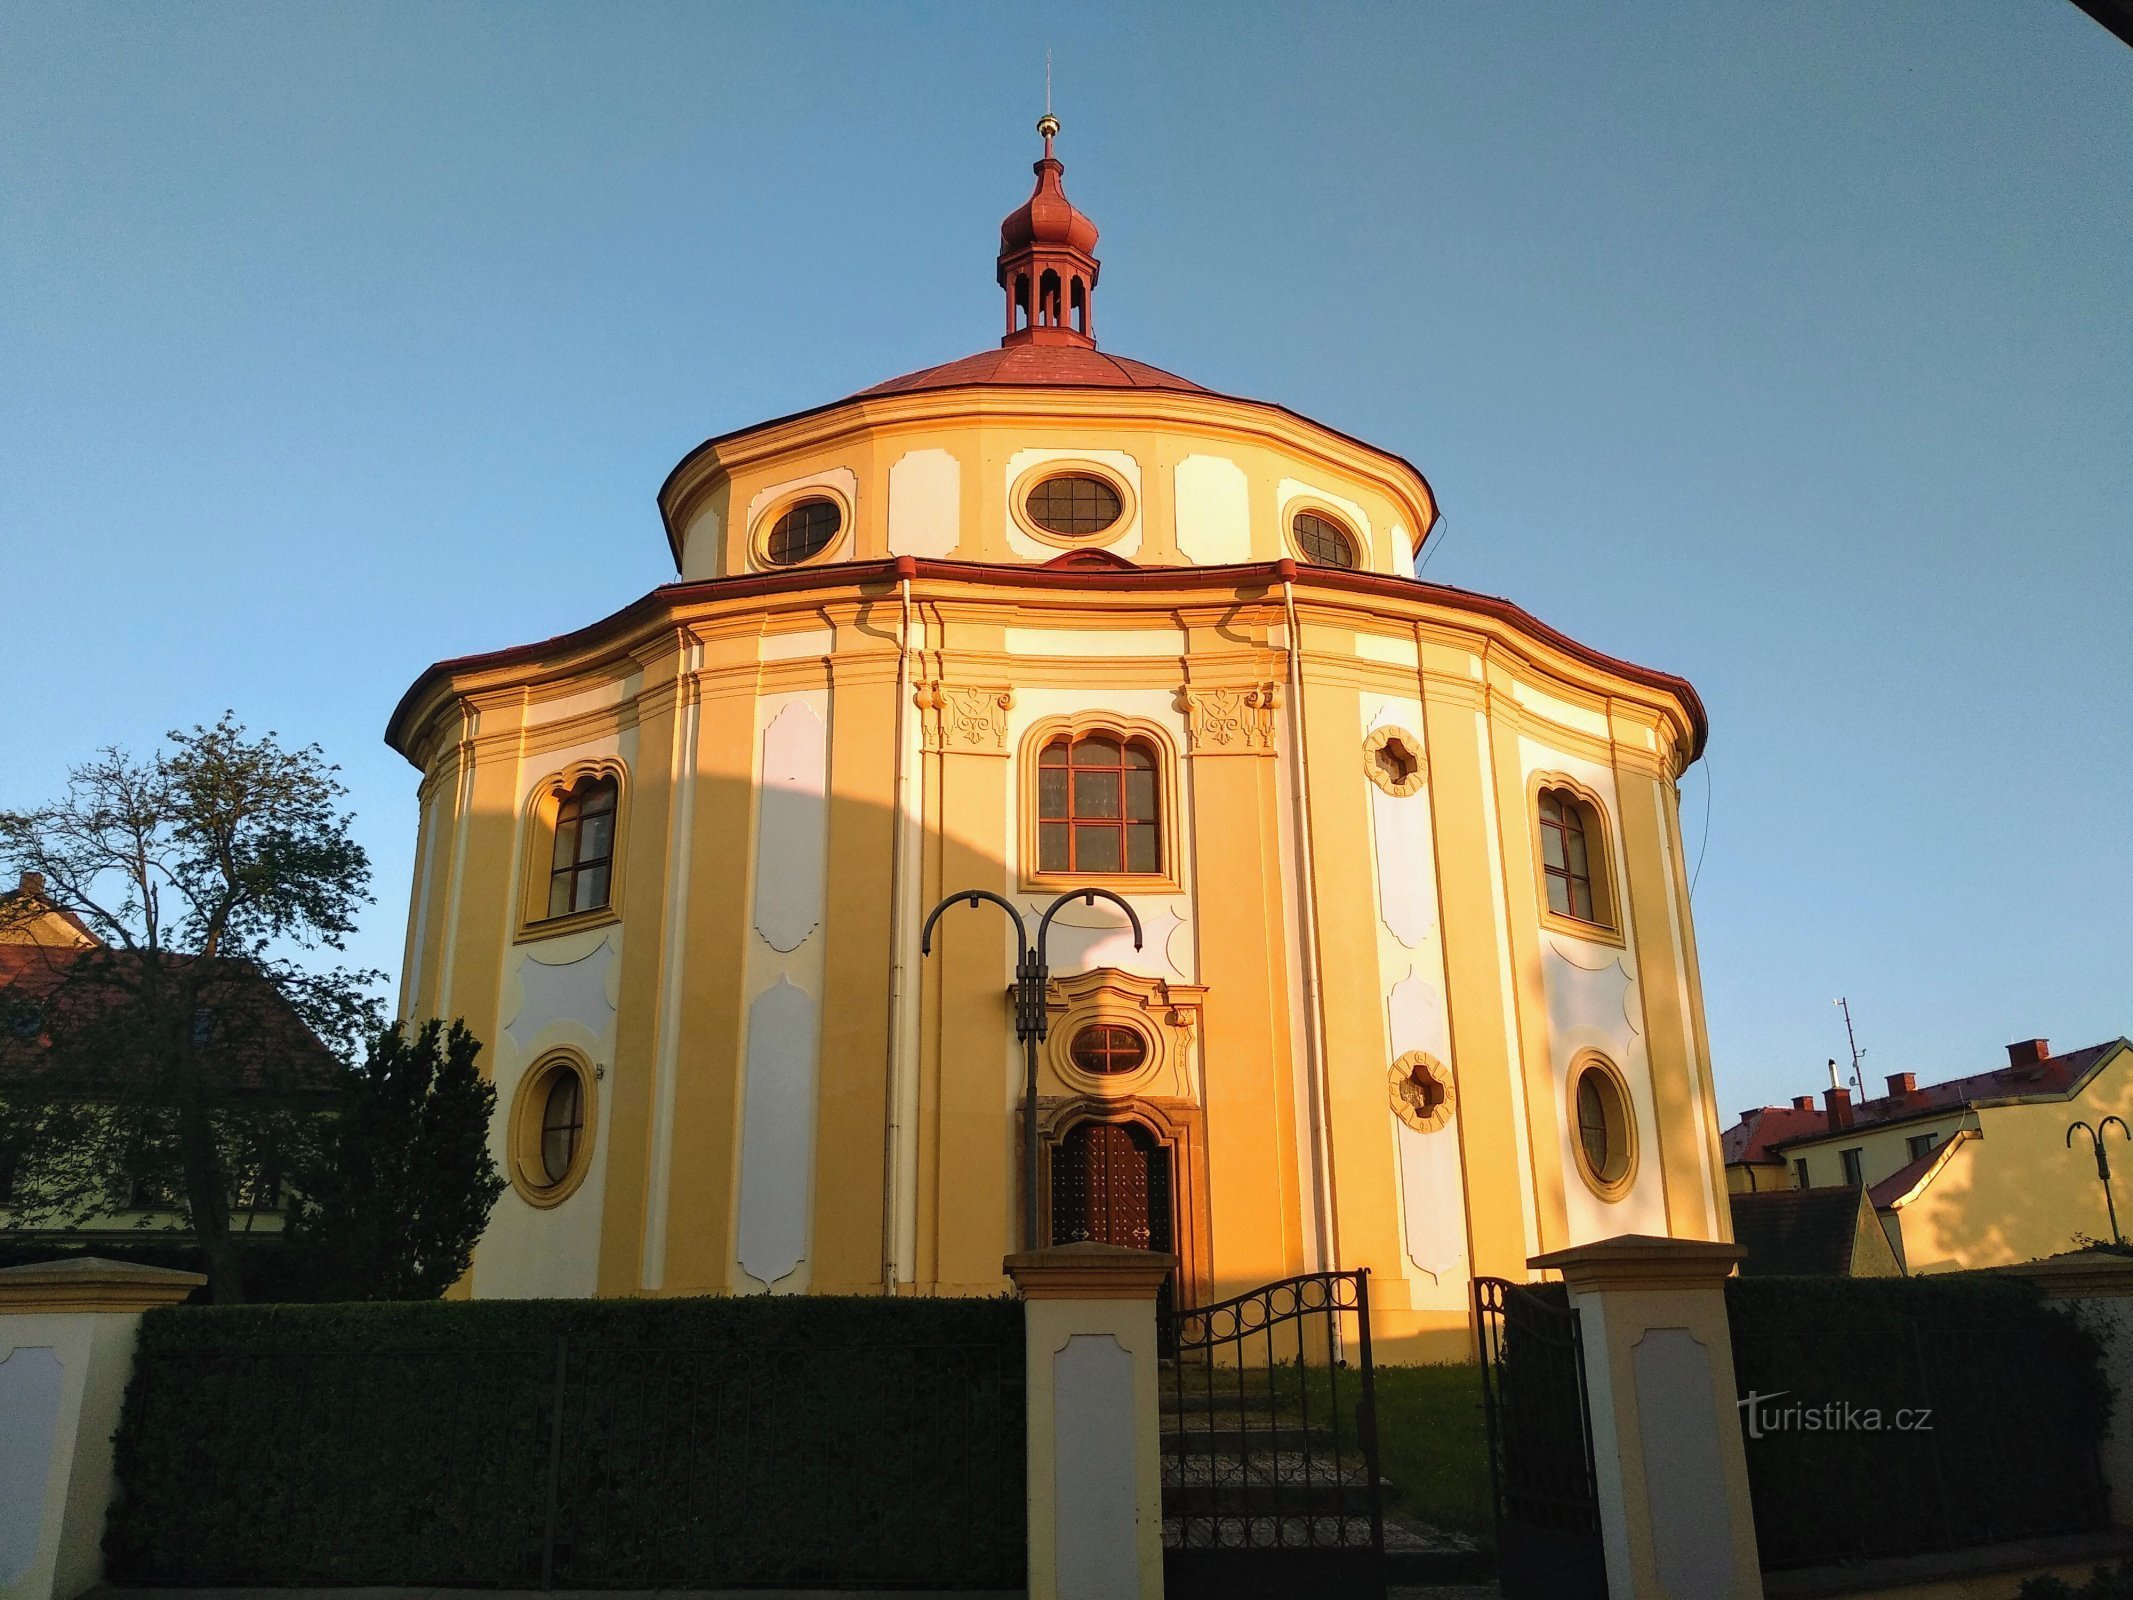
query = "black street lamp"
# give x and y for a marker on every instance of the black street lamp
(2103, 1164)
(1032, 976)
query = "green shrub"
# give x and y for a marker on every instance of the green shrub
(2013, 1399)
(760, 1439)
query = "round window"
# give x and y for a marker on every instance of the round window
(1605, 1133)
(1106, 1048)
(1322, 540)
(1074, 505)
(803, 532)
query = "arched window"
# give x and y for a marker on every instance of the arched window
(1573, 849)
(1322, 540)
(1098, 806)
(581, 863)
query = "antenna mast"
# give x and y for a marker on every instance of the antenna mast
(1858, 1054)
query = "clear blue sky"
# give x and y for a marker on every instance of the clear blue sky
(1787, 346)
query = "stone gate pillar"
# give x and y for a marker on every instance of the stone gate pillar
(1668, 1460)
(66, 1350)
(1095, 1471)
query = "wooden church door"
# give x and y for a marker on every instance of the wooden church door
(1111, 1184)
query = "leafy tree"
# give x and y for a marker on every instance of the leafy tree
(187, 1057)
(404, 1181)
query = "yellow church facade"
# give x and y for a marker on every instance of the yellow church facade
(1417, 986)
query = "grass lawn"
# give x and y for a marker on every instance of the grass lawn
(1433, 1445)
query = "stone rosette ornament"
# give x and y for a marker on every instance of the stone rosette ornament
(1422, 1092)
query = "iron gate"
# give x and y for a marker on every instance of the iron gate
(1540, 1443)
(1270, 1445)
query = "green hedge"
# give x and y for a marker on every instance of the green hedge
(756, 1440)
(2015, 1397)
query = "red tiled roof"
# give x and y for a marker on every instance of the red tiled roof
(2053, 1078)
(1058, 366)
(1752, 1138)
(275, 1033)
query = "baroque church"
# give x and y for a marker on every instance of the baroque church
(1415, 985)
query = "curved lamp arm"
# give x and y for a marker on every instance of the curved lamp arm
(2085, 1128)
(925, 939)
(2104, 1127)
(1087, 897)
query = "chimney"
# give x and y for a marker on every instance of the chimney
(1901, 1084)
(1803, 1102)
(32, 886)
(1751, 1114)
(2028, 1052)
(1840, 1109)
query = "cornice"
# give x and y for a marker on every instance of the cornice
(504, 678)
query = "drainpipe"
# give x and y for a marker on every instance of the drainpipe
(906, 569)
(1307, 928)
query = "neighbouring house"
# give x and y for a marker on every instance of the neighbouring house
(1976, 1171)
(53, 966)
(1811, 1233)
(1417, 990)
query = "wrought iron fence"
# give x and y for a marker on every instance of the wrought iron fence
(1269, 1439)
(584, 1463)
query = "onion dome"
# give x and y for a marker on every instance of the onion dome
(1047, 260)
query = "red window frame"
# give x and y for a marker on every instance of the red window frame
(1566, 857)
(1099, 806)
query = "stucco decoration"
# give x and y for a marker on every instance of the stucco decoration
(1214, 510)
(1692, 1531)
(1591, 989)
(1393, 760)
(963, 720)
(1423, 1095)
(1414, 1012)
(31, 1382)
(790, 845)
(1093, 1437)
(1166, 1015)
(1233, 722)
(1085, 937)
(778, 1132)
(549, 993)
(1407, 871)
(925, 503)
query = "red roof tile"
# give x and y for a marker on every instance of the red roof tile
(1048, 365)
(1752, 1138)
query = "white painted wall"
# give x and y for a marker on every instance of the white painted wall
(1214, 510)
(925, 504)
(783, 981)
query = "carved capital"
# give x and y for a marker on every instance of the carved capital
(1231, 722)
(964, 720)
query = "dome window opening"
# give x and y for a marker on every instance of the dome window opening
(1105, 1049)
(803, 532)
(1323, 541)
(1074, 505)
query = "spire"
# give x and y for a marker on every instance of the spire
(1047, 261)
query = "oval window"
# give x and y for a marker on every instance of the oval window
(803, 532)
(1604, 1131)
(1106, 1048)
(1322, 540)
(562, 1125)
(1074, 505)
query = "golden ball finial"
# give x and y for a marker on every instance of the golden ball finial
(1048, 126)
